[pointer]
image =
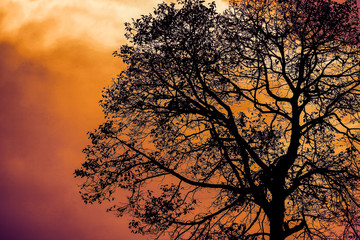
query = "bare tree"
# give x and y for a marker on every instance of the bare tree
(240, 125)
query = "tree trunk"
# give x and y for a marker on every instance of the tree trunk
(276, 223)
(277, 212)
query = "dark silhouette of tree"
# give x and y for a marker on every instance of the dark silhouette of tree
(239, 125)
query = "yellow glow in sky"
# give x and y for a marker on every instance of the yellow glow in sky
(99, 20)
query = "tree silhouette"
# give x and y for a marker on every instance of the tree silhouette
(239, 125)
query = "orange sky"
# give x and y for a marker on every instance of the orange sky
(56, 56)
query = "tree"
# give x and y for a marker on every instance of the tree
(239, 125)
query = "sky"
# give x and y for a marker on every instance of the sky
(55, 59)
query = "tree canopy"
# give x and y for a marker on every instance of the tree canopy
(235, 125)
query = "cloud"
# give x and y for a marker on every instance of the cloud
(101, 21)
(48, 101)
(46, 109)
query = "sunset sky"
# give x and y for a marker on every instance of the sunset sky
(56, 56)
